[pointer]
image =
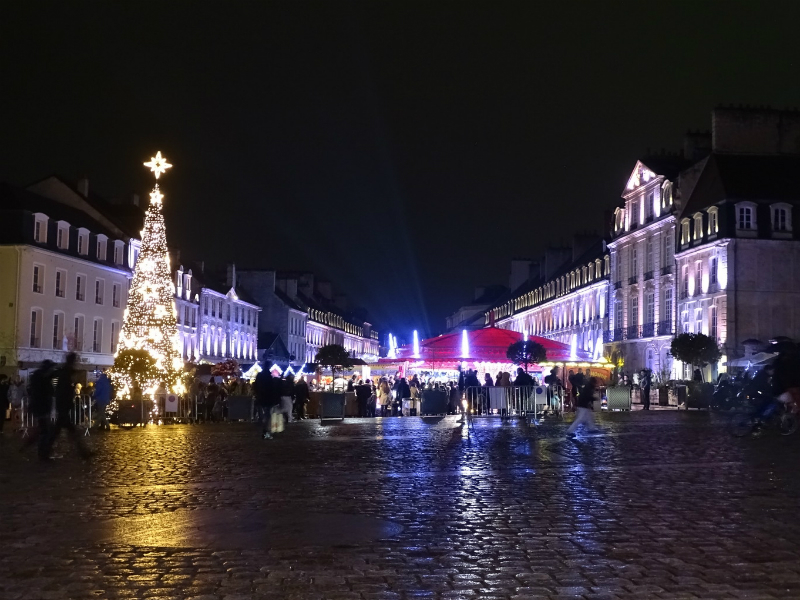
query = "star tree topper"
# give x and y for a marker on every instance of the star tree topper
(158, 164)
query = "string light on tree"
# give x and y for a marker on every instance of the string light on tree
(150, 322)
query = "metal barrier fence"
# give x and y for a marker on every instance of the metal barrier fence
(80, 414)
(513, 401)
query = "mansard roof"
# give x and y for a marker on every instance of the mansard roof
(735, 177)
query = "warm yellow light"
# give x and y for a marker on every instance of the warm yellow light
(158, 165)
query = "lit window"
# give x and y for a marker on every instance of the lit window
(712, 271)
(698, 227)
(685, 231)
(713, 221)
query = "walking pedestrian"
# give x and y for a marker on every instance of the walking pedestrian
(267, 398)
(102, 398)
(584, 409)
(287, 395)
(65, 398)
(40, 392)
(301, 396)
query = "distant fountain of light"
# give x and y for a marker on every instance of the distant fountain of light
(464, 344)
(392, 347)
(416, 344)
(573, 347)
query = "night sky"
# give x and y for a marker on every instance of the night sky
(406, 151)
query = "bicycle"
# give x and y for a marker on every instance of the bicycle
(780, 416)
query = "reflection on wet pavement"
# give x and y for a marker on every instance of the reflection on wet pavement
(663, 505)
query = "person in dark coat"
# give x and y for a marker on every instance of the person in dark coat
(65, 399)
(40, 392)
(301, 396)
(523, 379)
(585, 406)
(267, 390)
(363, 393)
(645, 382)
(403, 393)
(5, 385)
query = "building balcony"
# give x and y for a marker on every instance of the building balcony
(647, 330)
(666, 270)
(648, 275)
(664, 327)
(617, 285)
(633, 280)
(632, 333)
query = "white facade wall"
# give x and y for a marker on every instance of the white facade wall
(227, 327)
(51, 333)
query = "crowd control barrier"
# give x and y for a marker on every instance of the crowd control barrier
(513, 401)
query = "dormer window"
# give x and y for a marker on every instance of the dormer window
(746, 218)
(40, 229)
(698, 227)
(83, 241)
(101, 247)
(118, 249)
(713, 221)
(781, 217)
(685, 232)
(634, 213)
(62, 236)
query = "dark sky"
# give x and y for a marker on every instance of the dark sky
(407, 151)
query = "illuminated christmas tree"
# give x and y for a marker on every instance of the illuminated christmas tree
(150, 322)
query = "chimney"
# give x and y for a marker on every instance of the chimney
(520, 272)
(231, 279)
(83, 186)
(291, 288)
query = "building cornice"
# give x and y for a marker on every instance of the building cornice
(80, 261)
(640, 231)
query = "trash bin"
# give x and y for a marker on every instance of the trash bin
(663, 396)
(618, 398)
(680, 394)
(332, 406)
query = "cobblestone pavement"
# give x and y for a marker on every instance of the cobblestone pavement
(661, 505)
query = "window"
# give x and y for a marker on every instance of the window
(667, 304)
(36, 328)
(62, 237)
(114, 336)
(101, 248)
(648, 205)
(40, 230)
(712, 270)
(685, 231)
(634, 213)
(698, 320)
(58, 331)
(685, 282)
(634, 262)
(650, 307)
(698, 227)
(205, 306)
(38, 279)
(698, 276)
(667, 250)
(649, 255)
(194, 317)
(61, 281)
(115, 294)
(712, 322)
(97, 336)
(80, 288)
(685, 321)
(633, 313)
(713, 221)
(781, 218)
(117, 254)
(78, 332)
(83, 243)
(744, 217)
(99, 289)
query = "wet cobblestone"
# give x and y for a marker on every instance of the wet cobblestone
(662, 505)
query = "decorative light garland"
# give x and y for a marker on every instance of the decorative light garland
(150, 321)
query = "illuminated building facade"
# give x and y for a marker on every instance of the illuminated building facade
(565, 300)
(642, 289)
